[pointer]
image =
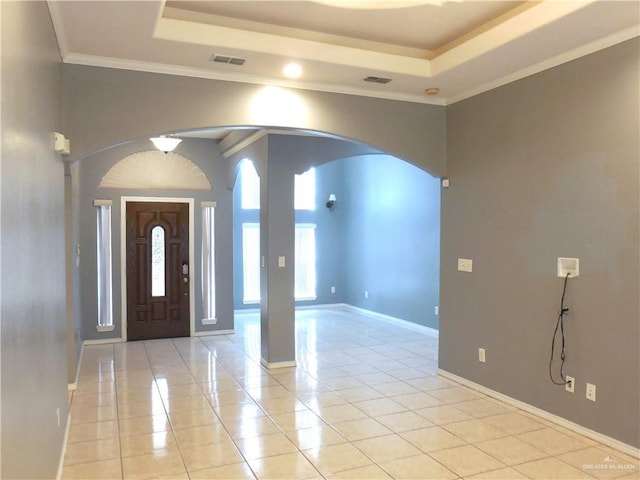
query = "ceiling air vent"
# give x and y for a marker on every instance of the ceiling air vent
(377, 79)
(227, 59)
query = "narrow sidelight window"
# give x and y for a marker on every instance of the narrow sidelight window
(208, 263)
(105, 283)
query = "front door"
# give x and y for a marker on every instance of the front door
(157, 270)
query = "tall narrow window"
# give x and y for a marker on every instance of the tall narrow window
(105, 284)
(251, 262)
(305, 262)
(157, 261)
(208, 264)
(250, 186)
(305, 190)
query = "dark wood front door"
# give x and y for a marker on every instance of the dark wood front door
(157, 270)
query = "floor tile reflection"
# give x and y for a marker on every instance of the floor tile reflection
(364, 402)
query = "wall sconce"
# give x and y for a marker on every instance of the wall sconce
(166, 143)
(331, 202)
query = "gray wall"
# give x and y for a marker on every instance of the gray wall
(542, 168)
(203, 153)
(105, 107)
(392, 238)
(382, 236)
(34, 356)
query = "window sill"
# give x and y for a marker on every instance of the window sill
(305, 299)
(209, 321)
(105, 328)
(251, 302)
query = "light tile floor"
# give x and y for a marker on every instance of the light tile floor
(363, 403)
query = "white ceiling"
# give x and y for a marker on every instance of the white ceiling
(461, 47)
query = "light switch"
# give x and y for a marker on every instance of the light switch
(281, 262)
(465, 265)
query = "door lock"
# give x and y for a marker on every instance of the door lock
(185, 272)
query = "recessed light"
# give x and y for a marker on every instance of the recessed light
(432, 91)
(292, 70)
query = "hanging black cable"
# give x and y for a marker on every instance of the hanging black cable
(559, 323)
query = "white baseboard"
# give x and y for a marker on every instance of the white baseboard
(432, 332)
(64, 447)
(246, 310)
(103, 341)
(563, 422)
(208, 333)
(321, 306)
(275, 365)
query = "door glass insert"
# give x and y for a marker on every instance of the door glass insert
(157, 262)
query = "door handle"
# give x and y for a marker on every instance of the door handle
(185, 272)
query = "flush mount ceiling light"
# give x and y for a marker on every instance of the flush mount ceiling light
(166, 143)
(292, 70)
(432, 91)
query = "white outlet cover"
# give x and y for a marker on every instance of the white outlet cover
(591, 392)
(569, 266)
(465, 265)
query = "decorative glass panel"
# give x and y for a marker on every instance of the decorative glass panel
(157, 262)
(105, 313)
(208, 265)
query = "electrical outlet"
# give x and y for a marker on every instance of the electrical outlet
(58, 415)
(465, 265)
(366, 294)
(333, 289)
(481, 355)
(570, 385)
(437, 310)
(568, 266)
(591, 392)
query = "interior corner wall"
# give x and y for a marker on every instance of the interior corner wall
(542, 168)
(391, 237)
(32, 295)
(203, 153)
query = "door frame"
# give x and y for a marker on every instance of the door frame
(123, 256)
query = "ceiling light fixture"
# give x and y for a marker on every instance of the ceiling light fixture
(166, 143)
(292, 70)
(432, 91)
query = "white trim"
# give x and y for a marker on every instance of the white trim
(209, 321)
(105, 328)
(563, 58)
(63, 451)
(432, 332)
(246, 310)
(103, 341)
(166, 69)
(79, 363)
(276, 365)
(123, 256)
(321, 306)
(563, 422)
(208, 333)
(244, 143)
